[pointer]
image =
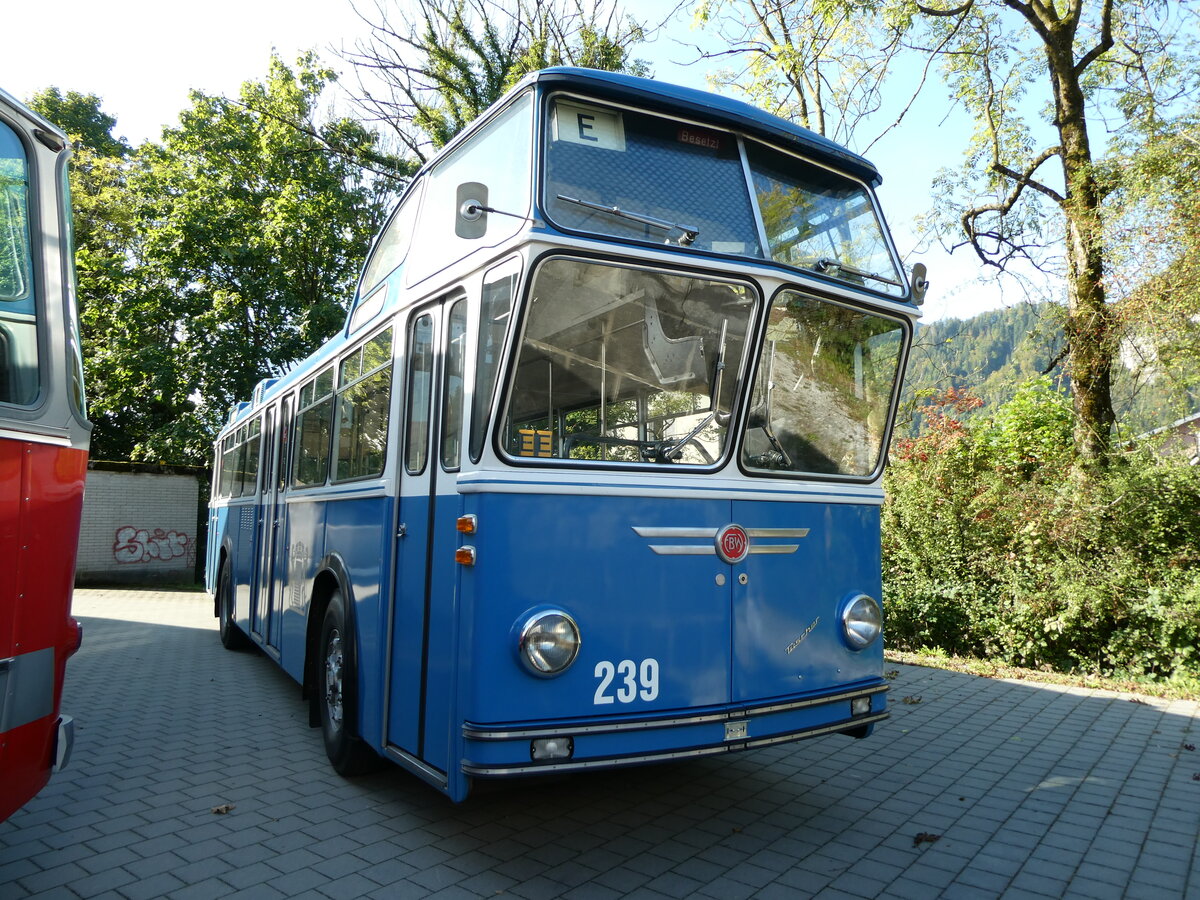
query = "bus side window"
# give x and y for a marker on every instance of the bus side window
(498, 155)
(391, 248)
(253, 442)
(452, 386)
(364, 398)
(494, 314)
(228, 465)
(314, 422)
(285, 442)
(420, 389)
(18, 322)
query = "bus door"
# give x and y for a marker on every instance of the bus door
(269, 586)
(260, 598)
(278, 560)
(424, 599)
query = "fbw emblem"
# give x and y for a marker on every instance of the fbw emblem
(732, 543)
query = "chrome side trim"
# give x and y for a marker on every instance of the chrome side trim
(651, 532)
(474, 732)
(38, 436)
(616, 762)
(777, 532)
(684, 531)
(417, 767)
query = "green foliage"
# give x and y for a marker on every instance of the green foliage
(80, 116)
(820, 63)
(992, 352)
(996, 545)
(214, 258)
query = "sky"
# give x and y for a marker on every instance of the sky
(142, 57)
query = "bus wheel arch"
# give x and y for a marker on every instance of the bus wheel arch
(331, 679)
(225, 603)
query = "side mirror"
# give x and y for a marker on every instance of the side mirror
(471, 203)
(919, 283)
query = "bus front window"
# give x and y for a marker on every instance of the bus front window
(819, 220)
(824, 388)
(624, 365)
(630, 175)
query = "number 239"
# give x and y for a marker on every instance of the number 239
(630, 679)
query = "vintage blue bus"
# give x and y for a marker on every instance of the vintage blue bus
(591, 476)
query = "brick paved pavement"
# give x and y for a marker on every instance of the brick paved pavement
(1035, 791)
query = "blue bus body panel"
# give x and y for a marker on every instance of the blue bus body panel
(787, 629)
(243, 534)
(357, 531)
(408, 628)
(582, 555)
(306, 532)
(757, 641)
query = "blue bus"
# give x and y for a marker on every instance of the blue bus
(591, 476)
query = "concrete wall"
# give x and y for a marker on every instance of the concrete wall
(139, 527)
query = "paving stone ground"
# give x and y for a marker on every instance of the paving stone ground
(974, 788)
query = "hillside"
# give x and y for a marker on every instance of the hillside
(993, 352)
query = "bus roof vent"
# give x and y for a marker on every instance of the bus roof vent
(261, 388)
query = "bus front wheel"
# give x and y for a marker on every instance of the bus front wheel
(337, 700)
(232, 637)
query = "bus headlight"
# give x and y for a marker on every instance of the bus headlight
(548, 642)
(862, 620)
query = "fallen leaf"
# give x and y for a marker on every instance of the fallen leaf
(926, 838)
(891, 674)
(223, 809)
(911, 701)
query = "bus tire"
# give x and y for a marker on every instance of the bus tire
(337, 700)
(232, 637)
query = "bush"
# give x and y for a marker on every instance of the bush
(995, 545)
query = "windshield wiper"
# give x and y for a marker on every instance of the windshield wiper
(824, 264)
(689, 233)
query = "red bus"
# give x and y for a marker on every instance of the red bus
(44, 437)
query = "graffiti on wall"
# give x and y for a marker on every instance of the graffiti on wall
(140, 545)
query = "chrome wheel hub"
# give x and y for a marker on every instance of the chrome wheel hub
(334, 664)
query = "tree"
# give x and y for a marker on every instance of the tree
(80, 116)
(429, 72)
(253, 234)
(106, 250)
(1154, 230)
(820, 63)
(996, 56)
(215, 258)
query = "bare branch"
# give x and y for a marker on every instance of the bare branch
(1104, 44)
(1025, 179)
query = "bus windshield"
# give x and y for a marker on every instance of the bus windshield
(632, 175)
(647, 167)
(825, 383)
(619, 364)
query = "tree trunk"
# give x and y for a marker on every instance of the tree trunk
(1090, 327)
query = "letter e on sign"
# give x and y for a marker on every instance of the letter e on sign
(592, 126)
